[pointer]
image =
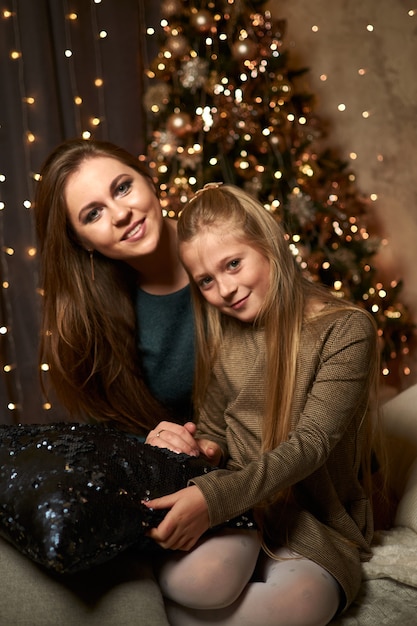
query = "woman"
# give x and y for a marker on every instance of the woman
(285, 380)
(117, 322)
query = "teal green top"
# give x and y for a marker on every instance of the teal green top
(166, 345)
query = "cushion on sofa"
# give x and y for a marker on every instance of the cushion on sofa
(71, 494)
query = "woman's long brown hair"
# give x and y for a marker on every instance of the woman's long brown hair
(88, 327)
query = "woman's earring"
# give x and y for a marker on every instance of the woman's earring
(92, 264)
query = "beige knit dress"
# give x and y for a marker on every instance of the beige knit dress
(330, 521)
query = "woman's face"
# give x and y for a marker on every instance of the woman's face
(113, 209)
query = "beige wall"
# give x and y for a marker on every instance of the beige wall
(340, 47)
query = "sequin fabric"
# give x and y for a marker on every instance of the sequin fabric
(70, 494)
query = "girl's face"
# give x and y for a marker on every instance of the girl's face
(113, 209)
(231, 275)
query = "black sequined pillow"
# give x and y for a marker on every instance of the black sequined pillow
(70, 494)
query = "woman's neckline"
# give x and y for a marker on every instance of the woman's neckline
(165, 294)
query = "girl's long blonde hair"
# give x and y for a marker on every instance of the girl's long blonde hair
(286, 306)
(88, 333)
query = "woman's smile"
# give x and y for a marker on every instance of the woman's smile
(136, 232)
(113, 209)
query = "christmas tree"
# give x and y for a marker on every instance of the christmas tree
(225, 105)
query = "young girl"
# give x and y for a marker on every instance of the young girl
(285, 376)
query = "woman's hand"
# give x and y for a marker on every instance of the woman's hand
(180, 438)
(175, 437)
(185, 522)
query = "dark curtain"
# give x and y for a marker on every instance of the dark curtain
(67, 67)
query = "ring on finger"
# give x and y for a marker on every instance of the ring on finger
(158, 434)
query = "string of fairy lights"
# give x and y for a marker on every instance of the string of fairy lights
(71, 17)
(85, 125)
(13, 384)
(168, 144)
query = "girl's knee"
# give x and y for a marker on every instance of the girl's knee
(214, 583)
(316, 601)
(214, 574)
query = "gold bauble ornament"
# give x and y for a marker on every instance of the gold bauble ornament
(278, 141)
(179, 124)
(202, 21)
(246, 50)
(245, 166)
(171, 7)
(163, 68)
(282, 89)
(212, 81)
(177, 45)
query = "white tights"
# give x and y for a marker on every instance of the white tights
(222, 581)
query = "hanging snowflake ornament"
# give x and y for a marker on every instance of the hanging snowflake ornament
(193, 74)
(156, 98)
(190, 158)
(163, 146)
(301, 206)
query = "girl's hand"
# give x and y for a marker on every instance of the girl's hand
(175, 437)
(211, 450)
(184, 523)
